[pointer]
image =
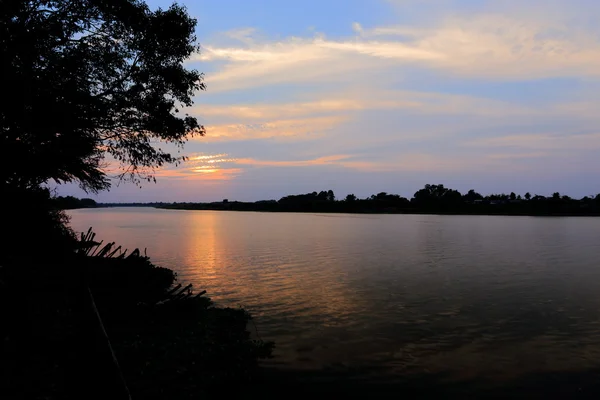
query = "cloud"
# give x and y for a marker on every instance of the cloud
(329, 109)
(507, 44)
(541, 141)
(244, 35)
(506, 47)
(506, 156)
(287, 129)
(223, 167)
(204, 167)
(299, 60)
(357, 28)
(327, 104)
(215, 174)
(406, 162)
(219, 167)
(326, 160)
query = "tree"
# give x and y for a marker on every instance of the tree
(429, 193)
(95, 78)
(472, 195)
(436, 195)
(527, 196)
(556, 196)
(513, 196)
(350, 198)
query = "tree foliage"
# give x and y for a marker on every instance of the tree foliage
(436, 194)
(92, 78)
(322, 196)
(71, 203)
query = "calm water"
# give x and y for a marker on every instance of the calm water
(466, 296)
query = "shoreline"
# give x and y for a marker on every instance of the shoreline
(372, 212)
(492, 213)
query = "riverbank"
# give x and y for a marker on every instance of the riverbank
(432, 199)
(342, 208)
(106, 323)
(581, 384)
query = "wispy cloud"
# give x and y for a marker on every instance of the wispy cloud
(513, 156)
(287, 129)
(326, 160)
(327, 105)
(350, 102)
(509, 45)
(223, 167)
(541, 141)
(215, 174)
(205, 167)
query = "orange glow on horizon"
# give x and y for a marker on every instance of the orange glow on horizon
(206, 171)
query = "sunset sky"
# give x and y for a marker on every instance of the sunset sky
(364, 96)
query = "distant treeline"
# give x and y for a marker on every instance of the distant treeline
(154, 204)
(70, 203)
(430, 199)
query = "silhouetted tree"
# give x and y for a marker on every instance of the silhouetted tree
(70, 202)
(92, 78)
(513, 196)
(555, 196)
(437, 196)
(472, 195)
(432, 198)
(429, 193)
(330, 195)
(527, 196)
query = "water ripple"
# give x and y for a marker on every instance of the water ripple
(481, 296)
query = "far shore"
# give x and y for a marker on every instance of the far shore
(432, 199)
(499, 211)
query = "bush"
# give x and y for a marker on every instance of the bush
(170, 342)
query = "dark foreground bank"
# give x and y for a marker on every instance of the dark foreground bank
(350, 384)
(109, 324)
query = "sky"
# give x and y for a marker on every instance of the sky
(366, 96)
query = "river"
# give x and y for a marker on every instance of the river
(489, 297)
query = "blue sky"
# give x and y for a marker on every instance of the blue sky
(388, 95)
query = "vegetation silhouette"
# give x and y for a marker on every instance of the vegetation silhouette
(71, 203)
(99, 83)
(436, 199)
(95, 78)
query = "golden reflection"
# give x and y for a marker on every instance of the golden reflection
(247, 259)
(202, 245)
(283, 270)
